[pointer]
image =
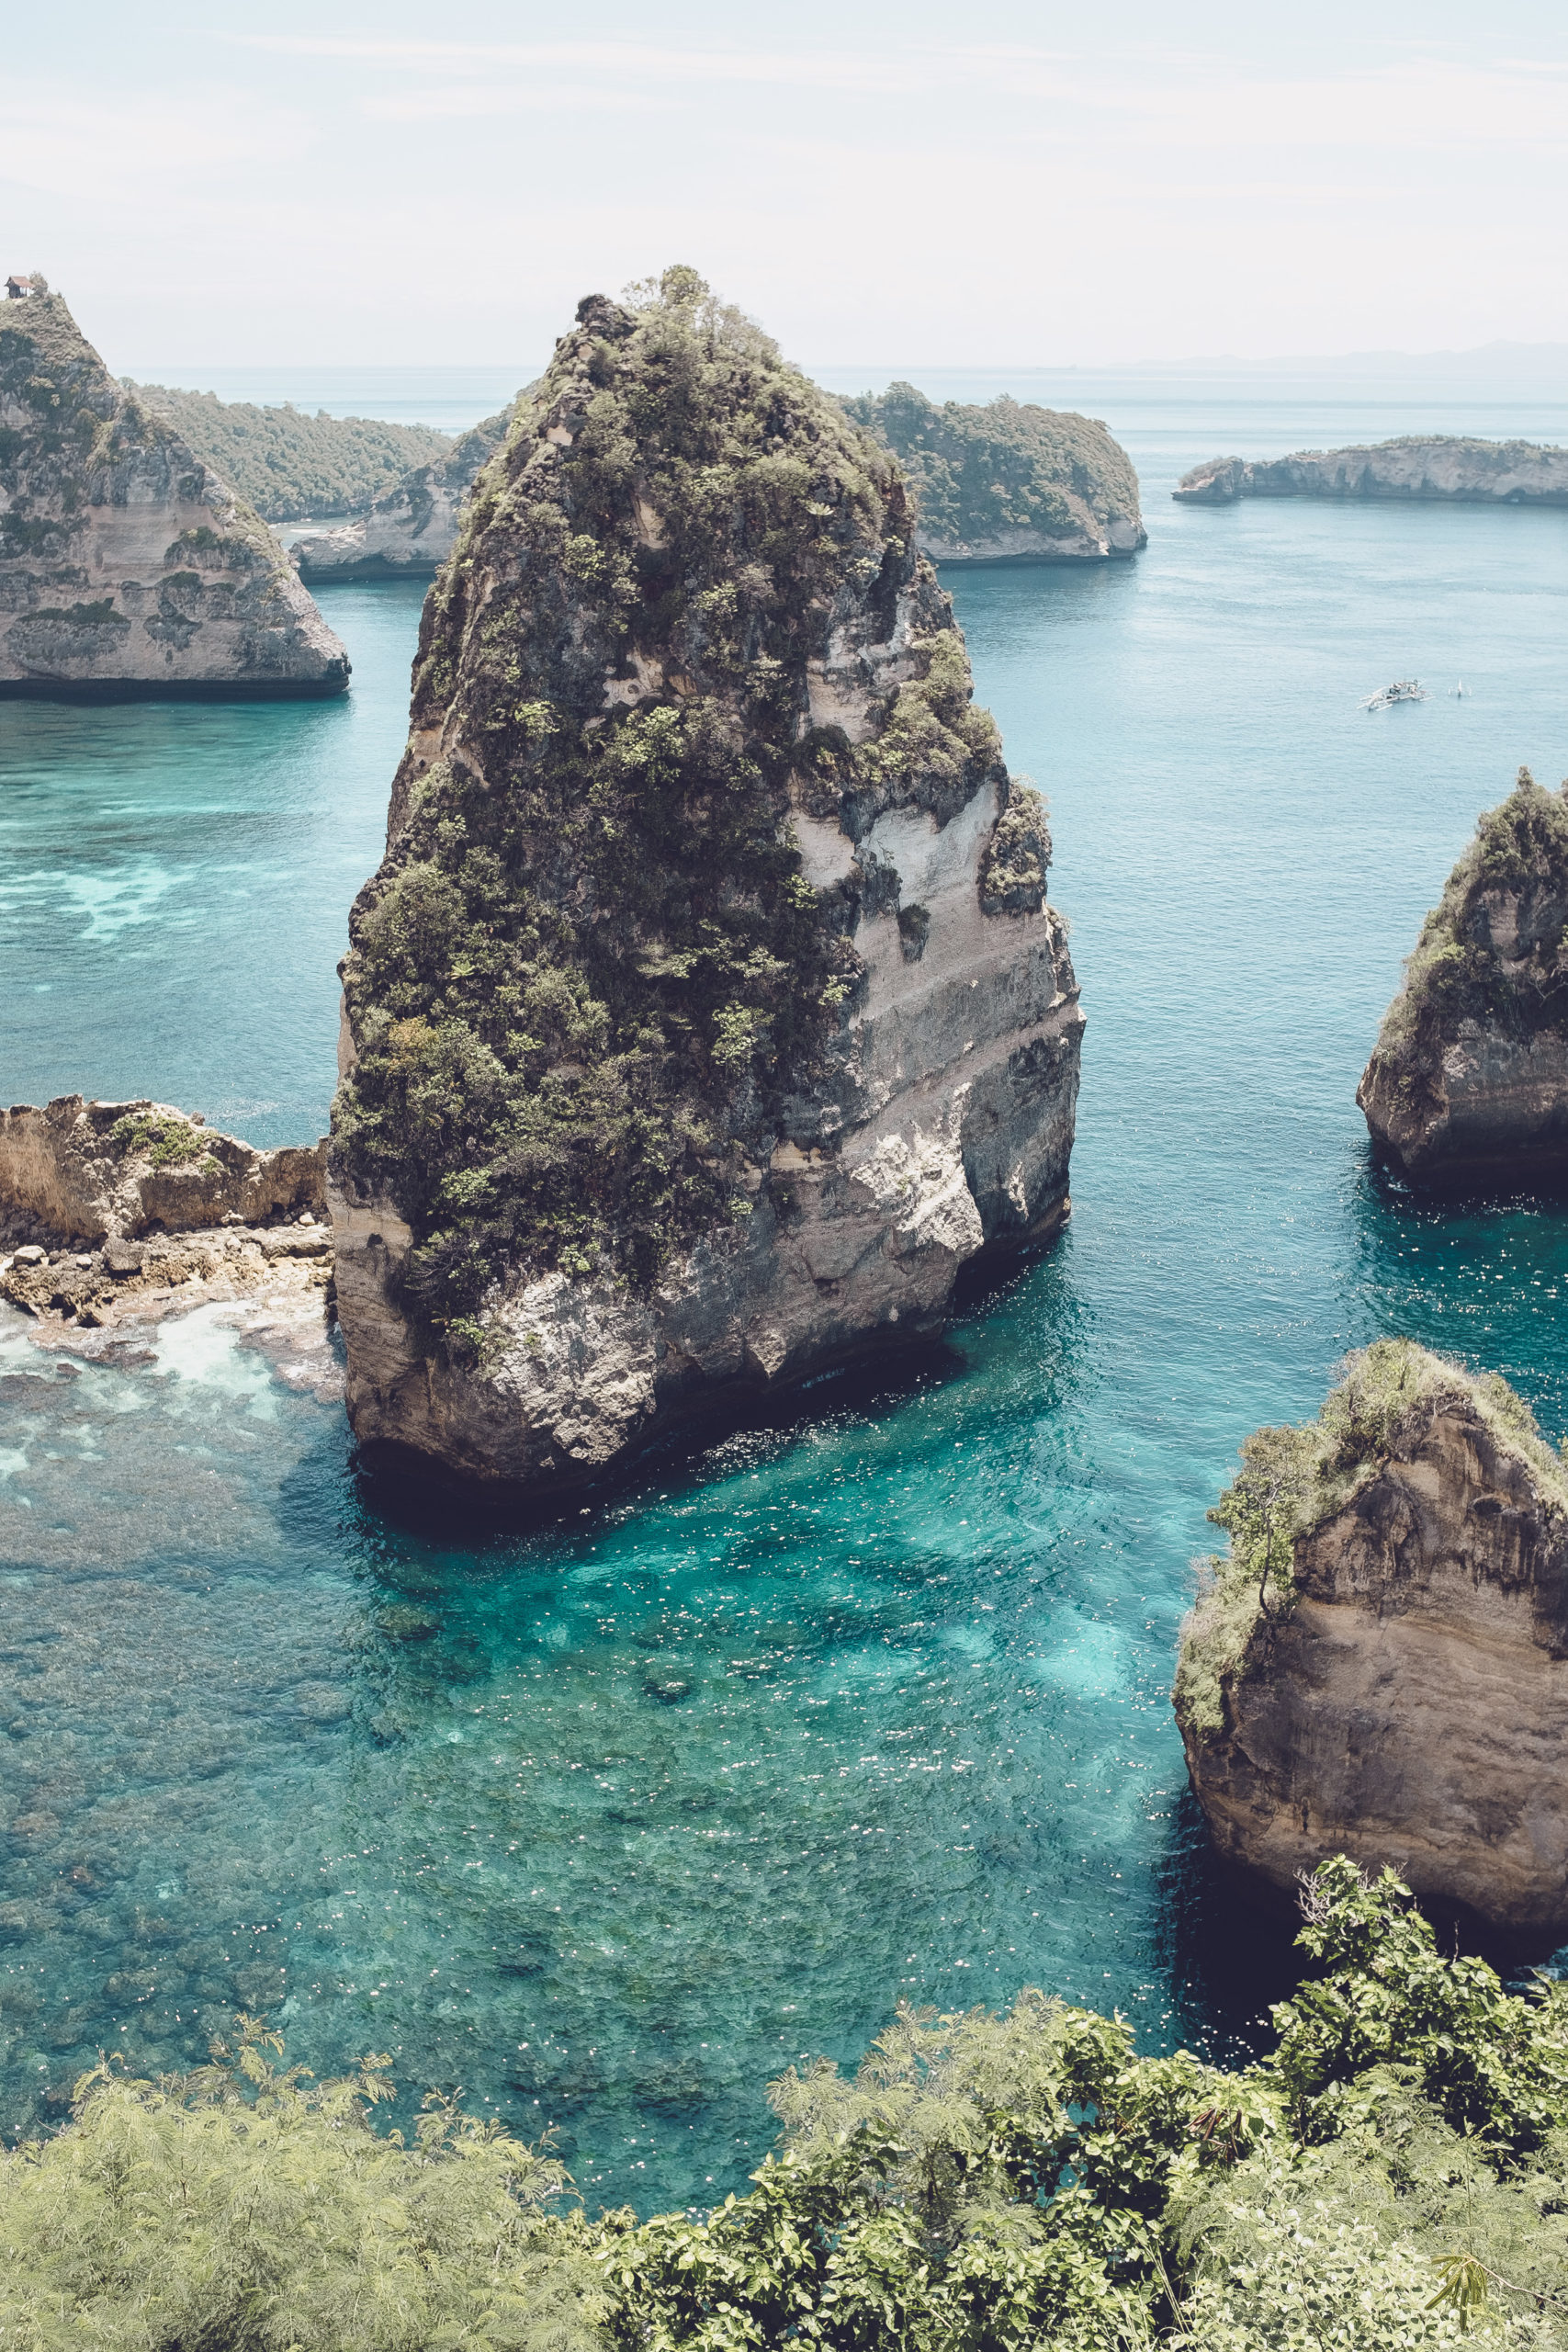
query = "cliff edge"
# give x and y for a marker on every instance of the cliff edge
(705, 1015)
(1008, 481)
(126, 567)
(411, 528)
(1379, 1667)
(1468, 1083)
(1420, 466)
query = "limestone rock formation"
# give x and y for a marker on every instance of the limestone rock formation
(126, 567)
(1380, 1668)
(1419, 465)
(1008, 481)
(411, 528)
(1467, 1084)
(128, 1211)
(707, 1015)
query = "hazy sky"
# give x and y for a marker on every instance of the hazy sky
(883, 181)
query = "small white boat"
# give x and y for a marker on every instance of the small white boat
(1401, 690)
(1460, 690)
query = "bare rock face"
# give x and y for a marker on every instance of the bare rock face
(1380, 1667)
(95, 1172)
(127, 567)
(1421, 466)
(116, 1212)
(1467, 1084)
(706, 1015)
(1009, 481)
(411, 528)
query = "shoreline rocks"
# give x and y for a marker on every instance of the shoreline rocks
(1418, 465)
(1380, 1666)
(411, 528)
(707, 1015)
(127, 569)
(1467, 1086)
(1008, 482)
(112, 1212)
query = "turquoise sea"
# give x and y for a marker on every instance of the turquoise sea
(272, 1738)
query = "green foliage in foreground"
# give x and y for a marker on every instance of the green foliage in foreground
(1394, 2175)
(290, 465)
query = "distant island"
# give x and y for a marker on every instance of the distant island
(411, 529)
(1008, 481)
(1436, 465)
(291, 466)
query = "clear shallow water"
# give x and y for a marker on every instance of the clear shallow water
(609, 1820)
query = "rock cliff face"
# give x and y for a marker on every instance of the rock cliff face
(411, 528)
(126, 1211)
(1467, 1084)
(1429, 466)
(1008, 482)
(96, 1171)
(707, 1015)
(1380, 1666)
(125, 566)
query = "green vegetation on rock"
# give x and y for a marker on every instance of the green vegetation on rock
(590, 975)
(1293, 1478)
(1457, 972)
(289, 464)
(1392, 2175)
(985, 473)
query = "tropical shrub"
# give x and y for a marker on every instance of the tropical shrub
(1393, 2177)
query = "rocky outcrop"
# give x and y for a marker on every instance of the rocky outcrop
(1422, 464)
(411, 528)
(126, 567)
(1380, 1667)
(112, 1212)
(1008, 482)
(1467, 1086)
(706, 1015)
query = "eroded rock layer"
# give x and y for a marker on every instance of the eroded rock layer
(125, 565)
(411, 529)
(1422, 466)
(707, 1015)
(1467, 1086)
(1380, 1667)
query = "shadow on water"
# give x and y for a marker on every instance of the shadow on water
(1228, 1958)
(416, 1497)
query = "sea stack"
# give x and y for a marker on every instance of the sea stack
(126, 567)
(705, 1015)
(411, 529)
(1009, 481)
(1380, 1666)
(1467, 1087)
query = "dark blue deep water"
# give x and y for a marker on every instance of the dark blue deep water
(265, 1739)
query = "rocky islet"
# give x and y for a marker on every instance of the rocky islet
(126, 566)
(1467, 1086)
(707, 1015)
(1417, 467)
(1379, 1665)
(1008, 481)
